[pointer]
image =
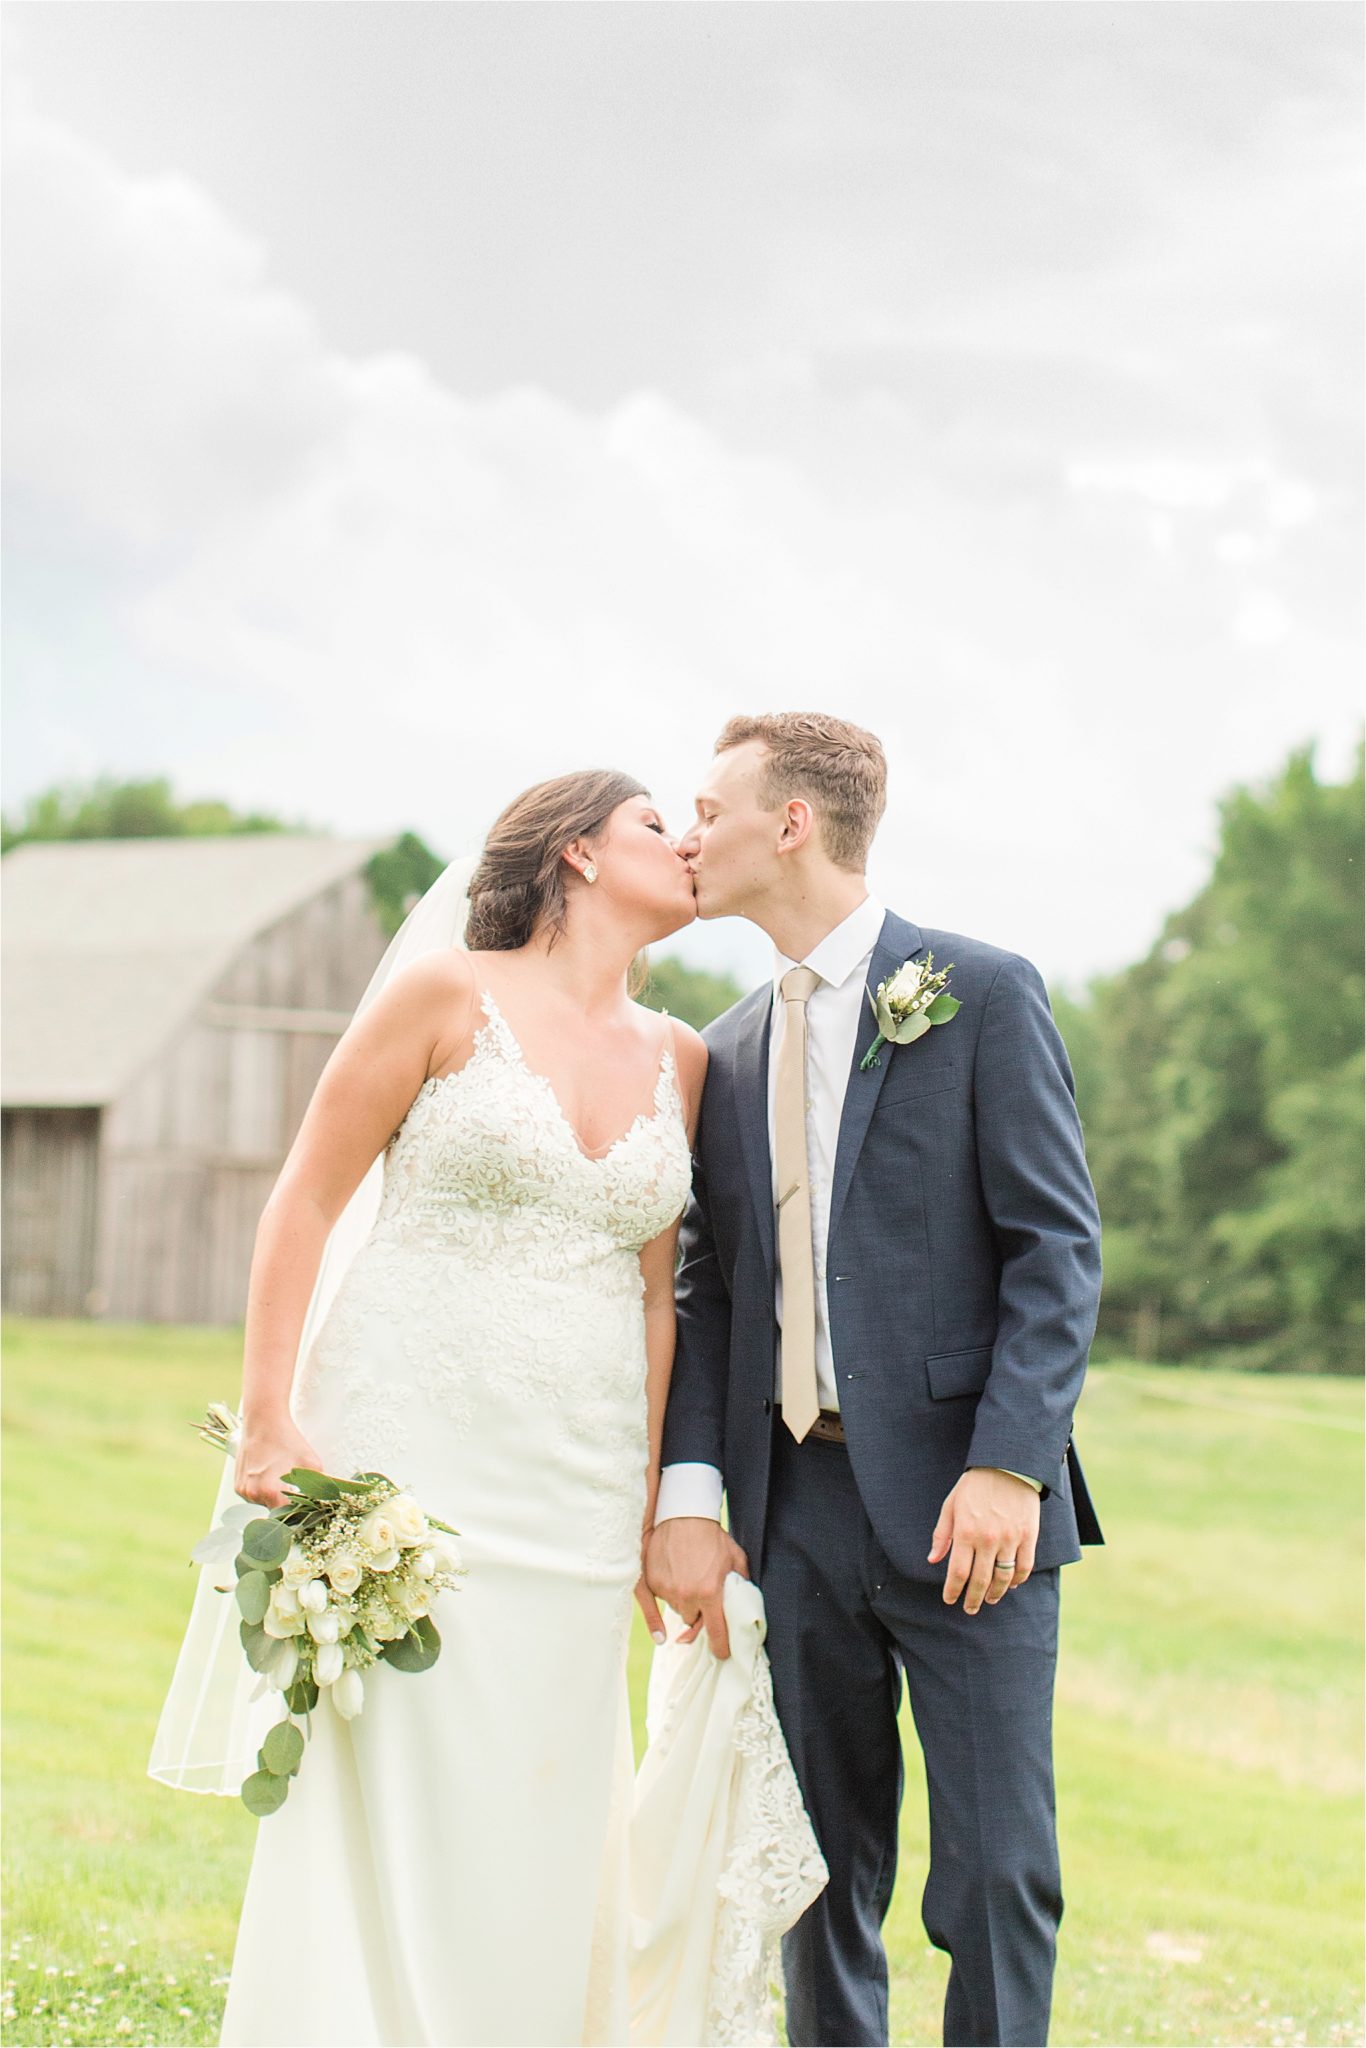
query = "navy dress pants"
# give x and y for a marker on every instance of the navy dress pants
(843, 1626)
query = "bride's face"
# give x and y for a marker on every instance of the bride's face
(640, 869)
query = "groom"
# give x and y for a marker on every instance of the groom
(888, 1284)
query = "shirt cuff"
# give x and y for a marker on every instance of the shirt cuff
(689, 1490)
(1037, 1484)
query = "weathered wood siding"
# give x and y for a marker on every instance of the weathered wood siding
(192, 1149)
(50, 1177)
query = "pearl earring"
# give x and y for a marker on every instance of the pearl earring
(590, 873)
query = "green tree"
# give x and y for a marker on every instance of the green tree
(1220, 1086)
(689, 992)
(106, 809)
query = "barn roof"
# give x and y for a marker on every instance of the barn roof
(108, 943)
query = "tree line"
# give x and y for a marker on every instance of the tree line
(1220, 1079)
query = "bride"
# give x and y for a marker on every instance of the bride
(453, 1865)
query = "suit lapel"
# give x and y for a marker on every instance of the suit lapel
(751, 1105)
(898, 941)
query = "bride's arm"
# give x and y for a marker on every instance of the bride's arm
(363, 1094)
(658, 1264)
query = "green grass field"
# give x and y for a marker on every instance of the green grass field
(1208, 1725)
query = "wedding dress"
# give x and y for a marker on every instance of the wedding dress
(461, 1863)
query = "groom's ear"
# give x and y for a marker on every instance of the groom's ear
(799, 823)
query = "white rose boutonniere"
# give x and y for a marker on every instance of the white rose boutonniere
(907, 1004)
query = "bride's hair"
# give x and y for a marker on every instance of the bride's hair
(519, 881)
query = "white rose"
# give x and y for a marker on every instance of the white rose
(328, 1663)
(313, 1597)
(345, 1574)
(423, 1566)
(415, 1600)
(284, 1599)
(905, 982)
(380, 1538)
(348, 1695)
(298, 1569)
(282, 1625)
(325, 1628)
(410, 1524)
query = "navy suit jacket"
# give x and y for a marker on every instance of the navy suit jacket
(962, 1269)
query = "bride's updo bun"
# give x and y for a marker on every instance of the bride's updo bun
(519, 882)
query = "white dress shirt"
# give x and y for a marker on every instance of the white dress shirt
(842, 960)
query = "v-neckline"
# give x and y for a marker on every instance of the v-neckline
(489, 1002)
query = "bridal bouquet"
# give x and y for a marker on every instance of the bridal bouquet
(343, 1575)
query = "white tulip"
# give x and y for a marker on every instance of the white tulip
(348, 1695)
(325, 1628)
(313, 1597)
(410, 1524)
(446, 1554)
(328, 1663)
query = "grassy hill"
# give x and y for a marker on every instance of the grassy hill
(1208, 1723)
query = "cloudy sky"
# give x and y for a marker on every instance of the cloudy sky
(408, 401)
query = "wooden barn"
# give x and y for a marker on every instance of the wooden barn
(168, 1005)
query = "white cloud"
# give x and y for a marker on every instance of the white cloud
(333, 585)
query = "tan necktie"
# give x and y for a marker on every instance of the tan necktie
(801, 1403)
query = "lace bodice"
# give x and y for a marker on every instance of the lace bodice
(487, 1152)
(500, 1291)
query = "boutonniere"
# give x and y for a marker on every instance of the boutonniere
(907, 1004)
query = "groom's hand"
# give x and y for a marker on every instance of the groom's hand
(990, 1514)
(686, 1564)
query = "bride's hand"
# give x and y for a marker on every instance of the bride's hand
(649, 1606)
(267, 1451)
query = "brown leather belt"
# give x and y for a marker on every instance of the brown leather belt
(826, 1429)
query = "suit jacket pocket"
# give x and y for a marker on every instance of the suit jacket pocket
(958, 1372)
(908, 1082)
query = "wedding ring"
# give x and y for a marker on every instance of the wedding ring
(1004, 1564)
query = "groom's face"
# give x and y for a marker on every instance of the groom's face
(731, 845)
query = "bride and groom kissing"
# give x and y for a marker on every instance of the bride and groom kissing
(831, 1265)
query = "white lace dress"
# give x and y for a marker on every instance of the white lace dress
(454, 1865)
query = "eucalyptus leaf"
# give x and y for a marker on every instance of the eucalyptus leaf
(239, 1512)
(315, 1485)
(283, 1749)
(942, 1008)
(265, 1542)
(418, 1650)
(886, 1022)
(302, 1696)
(253, 1596)
(264, 1793)
(914, 1027)
(261, 1649)
(217, 1547)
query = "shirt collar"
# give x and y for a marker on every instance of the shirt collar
(841, 951)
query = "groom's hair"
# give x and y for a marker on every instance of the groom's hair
(839, 768)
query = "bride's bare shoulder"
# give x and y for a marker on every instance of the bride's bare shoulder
(690, 1059)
